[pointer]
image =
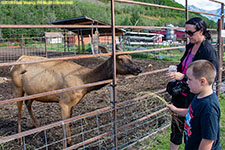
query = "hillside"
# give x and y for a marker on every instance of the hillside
(125, 14)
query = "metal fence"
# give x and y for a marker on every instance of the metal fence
(116, 126)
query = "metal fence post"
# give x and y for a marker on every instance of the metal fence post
(218, 86)
(220, 47)
(186, 10)
(114, 77)
(46, 51)
(222, 38)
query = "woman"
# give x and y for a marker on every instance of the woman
(198, 48)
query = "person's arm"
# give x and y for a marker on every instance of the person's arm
(205, 144)
(180, 111)
(174, 76)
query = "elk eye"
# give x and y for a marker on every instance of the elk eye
(120, 60)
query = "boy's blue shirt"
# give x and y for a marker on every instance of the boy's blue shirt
(202, 121)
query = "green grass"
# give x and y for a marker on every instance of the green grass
(161, 140)
(59, 47)
(222, 122)
(167, 55)
(3, 44)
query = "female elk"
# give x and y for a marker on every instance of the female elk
(53, 75)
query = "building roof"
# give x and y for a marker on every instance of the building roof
(53, 34)
(84, 20)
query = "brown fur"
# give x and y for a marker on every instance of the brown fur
(53, 75)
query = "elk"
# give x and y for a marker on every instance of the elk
(53, 75)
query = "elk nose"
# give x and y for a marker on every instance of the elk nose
(139, 70)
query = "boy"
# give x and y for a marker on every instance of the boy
(201, 128)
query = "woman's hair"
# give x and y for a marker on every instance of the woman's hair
(200, 24)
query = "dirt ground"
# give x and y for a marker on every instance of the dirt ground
(47, 113)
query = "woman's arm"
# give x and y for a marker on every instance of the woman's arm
(174, 76)
(206, 144)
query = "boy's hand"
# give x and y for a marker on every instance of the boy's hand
(171, 107)
(179, 111)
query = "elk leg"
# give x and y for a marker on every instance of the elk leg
(18, 92)
(20, 107)
(66, 113)
(29, 108)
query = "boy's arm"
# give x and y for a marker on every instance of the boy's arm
(206, 144)
(180, 111)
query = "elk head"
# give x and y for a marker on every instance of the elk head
(125, 65)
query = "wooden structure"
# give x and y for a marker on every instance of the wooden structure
(86, 32)
(141, 38)
(53, 37)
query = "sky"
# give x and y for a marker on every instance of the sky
(203, 4)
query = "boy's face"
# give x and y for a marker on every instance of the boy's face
(193, 83)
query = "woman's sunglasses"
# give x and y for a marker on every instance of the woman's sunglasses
(190, 33)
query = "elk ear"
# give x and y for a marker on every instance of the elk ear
(123, 56)
(129, 56)
(118, 57)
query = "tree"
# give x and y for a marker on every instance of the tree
(135, 18)
(126, 21)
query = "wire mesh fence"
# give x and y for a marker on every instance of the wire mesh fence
(51, 44)
(135, 120)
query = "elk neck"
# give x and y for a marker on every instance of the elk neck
(102, 72)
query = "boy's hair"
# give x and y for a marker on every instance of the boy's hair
(203, 68)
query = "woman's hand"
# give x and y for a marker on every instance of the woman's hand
(174, 76)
